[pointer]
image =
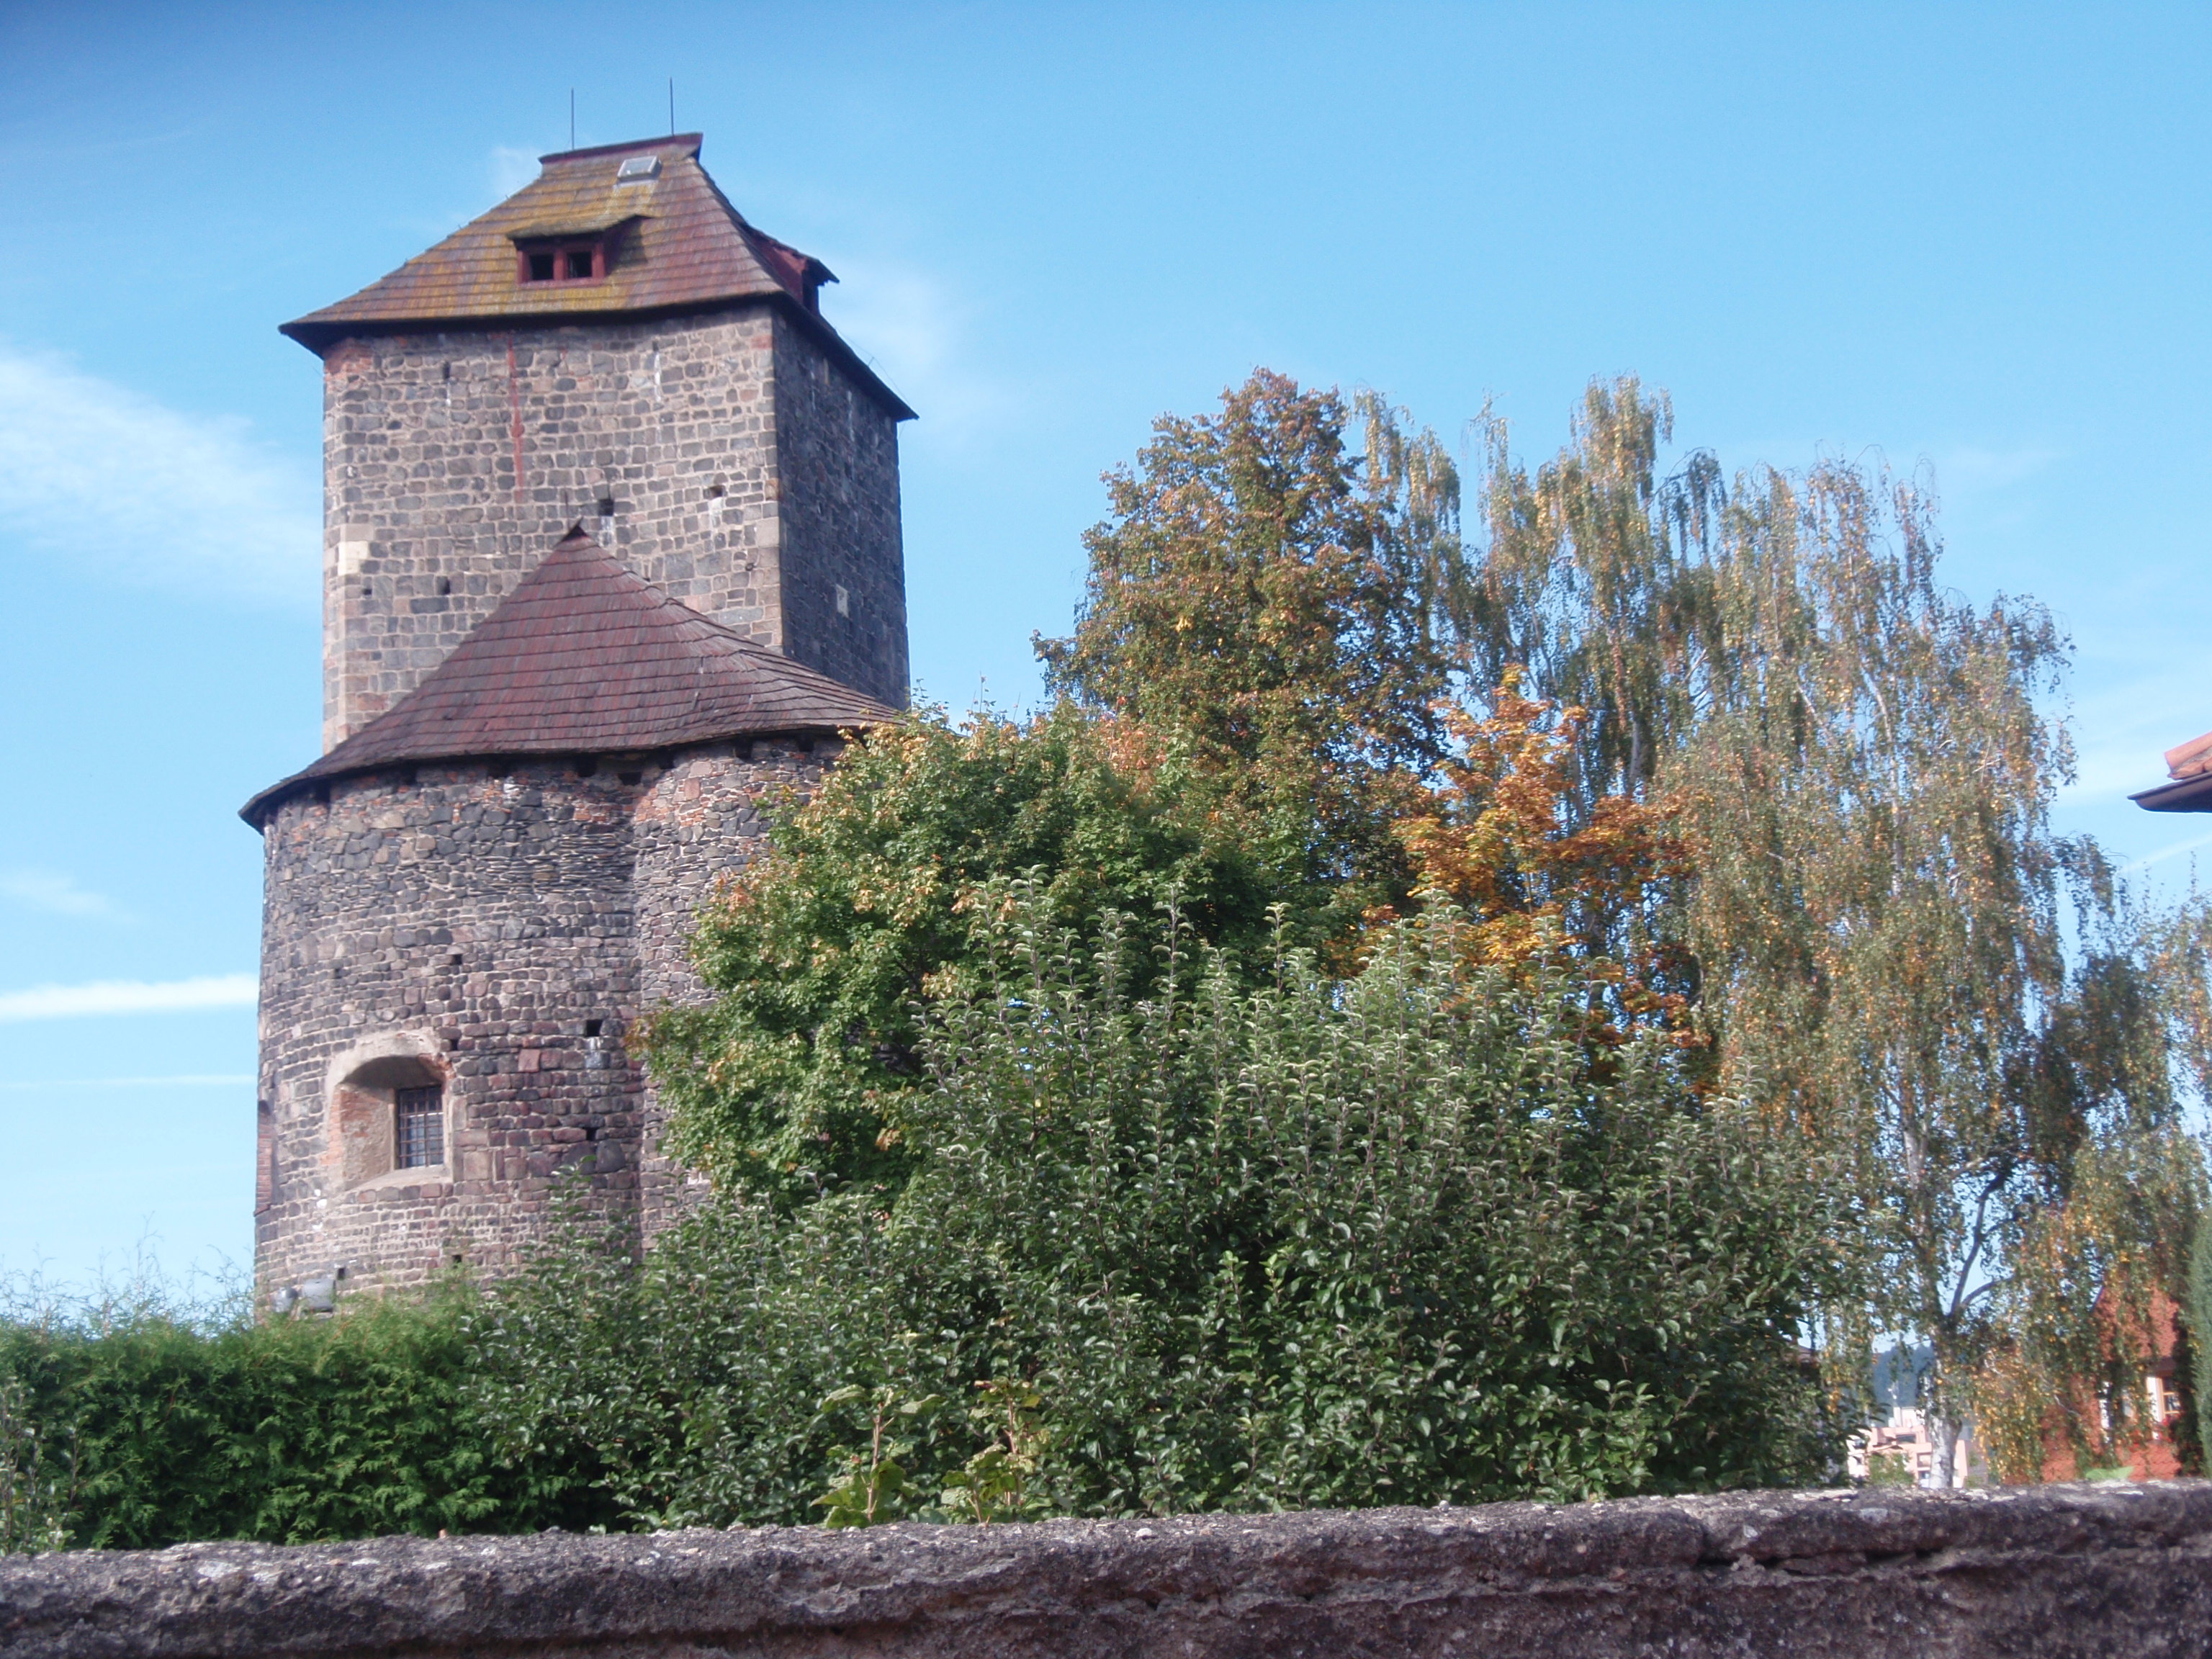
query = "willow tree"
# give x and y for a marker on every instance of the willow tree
(1881, 911)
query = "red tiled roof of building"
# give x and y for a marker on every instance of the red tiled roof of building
(583, 658)
(2190, 766)
(673, 243)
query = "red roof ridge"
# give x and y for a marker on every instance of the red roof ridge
(585, 656)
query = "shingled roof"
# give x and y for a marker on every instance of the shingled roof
(583, 658)
(2190, 766)
(676, 245)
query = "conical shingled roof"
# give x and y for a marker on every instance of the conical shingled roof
(676, 245)
(583, 658)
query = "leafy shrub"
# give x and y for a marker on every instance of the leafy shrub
(824, 952)
(1390, 1240)
(156, 1428)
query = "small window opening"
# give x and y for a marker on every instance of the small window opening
(264, 1161)
(577, 262)
(844, 603)
(593, 1027)
(445, 586)
(419, 1128)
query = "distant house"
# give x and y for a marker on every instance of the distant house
(2189, 768)
(2148, 1445)
(1902, 1440)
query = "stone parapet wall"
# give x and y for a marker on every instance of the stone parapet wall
(2056, 1572)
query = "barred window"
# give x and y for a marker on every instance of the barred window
(419, 1132)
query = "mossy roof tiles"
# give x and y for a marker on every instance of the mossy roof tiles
(584, 658)
(679, 247)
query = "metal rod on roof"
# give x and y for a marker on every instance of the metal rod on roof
(672, 106)
(572, 118)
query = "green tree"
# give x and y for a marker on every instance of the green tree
(824, 954)
(1879, 909)
(1290, 610)
(1220, 1244)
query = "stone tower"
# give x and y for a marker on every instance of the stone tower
(611, 560)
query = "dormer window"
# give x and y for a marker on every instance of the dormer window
(561, 254)
(573, 262)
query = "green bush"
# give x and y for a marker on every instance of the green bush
(1392, 1240)
(1397, 1239)
(153, 1427)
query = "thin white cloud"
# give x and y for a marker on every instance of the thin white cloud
(2122, 729)
(510, 169)
(127, 996)
(915, 334)
(106, 477)
(56, 894)
(1972, 470)
(2165, 852)
(190, 1080)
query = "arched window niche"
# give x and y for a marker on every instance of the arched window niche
(390, 1117)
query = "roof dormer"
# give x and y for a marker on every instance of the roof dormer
(553, 255)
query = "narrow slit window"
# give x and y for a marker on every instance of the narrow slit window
(419, 1132)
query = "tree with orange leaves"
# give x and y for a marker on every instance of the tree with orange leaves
(1503, 837)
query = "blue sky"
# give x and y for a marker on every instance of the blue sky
(1973, 239)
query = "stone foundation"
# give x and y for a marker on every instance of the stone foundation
(2051, 1572)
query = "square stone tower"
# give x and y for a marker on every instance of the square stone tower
(613, 344)
(612, 566)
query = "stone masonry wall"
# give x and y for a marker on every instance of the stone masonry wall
(703, 818)
(837, 459)
(469, 922)
(496, 927)
(452, 461)
(2065, 1572)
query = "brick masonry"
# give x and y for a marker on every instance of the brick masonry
(496, 929)
(740, 469)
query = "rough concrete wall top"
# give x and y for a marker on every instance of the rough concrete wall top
(2053, 1571)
